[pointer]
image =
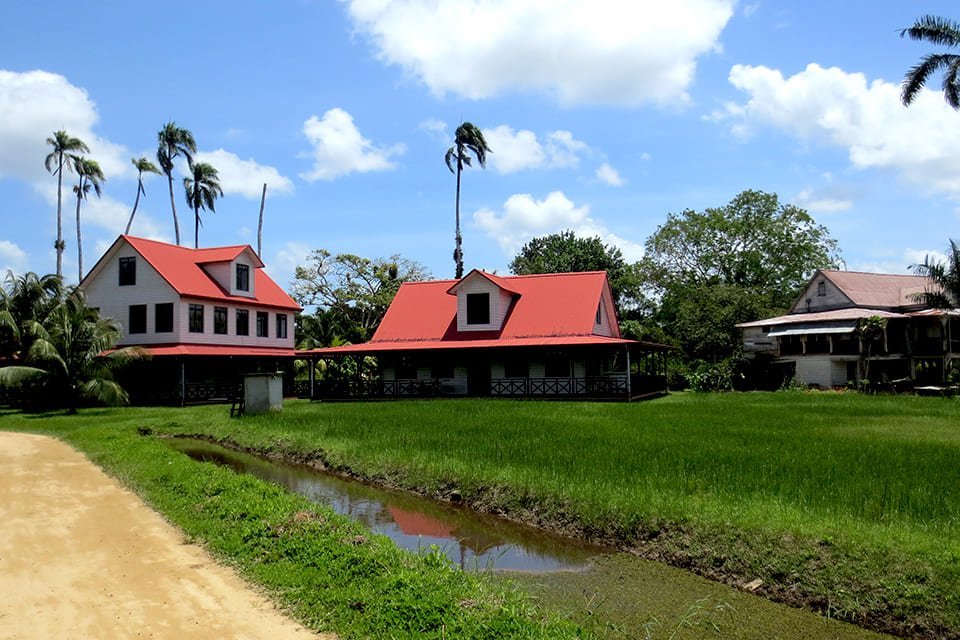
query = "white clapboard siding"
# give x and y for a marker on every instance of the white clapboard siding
(231, 338)
(499, 303)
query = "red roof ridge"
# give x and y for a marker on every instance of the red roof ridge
(874, 273)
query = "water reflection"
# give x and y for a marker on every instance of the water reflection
(473, 541)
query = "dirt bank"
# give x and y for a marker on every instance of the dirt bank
(82, 557)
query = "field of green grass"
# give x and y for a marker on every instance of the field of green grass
(845, 504)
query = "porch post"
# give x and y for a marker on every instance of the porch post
(311, 363)
(183, 382)
(629, 375)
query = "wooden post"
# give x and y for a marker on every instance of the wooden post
(311, 363)
(183, 382)
(629, 375)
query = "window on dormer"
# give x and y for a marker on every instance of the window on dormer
(128, 271)
(478, 308)
(243, 277)
(821, 288)
(599, 317)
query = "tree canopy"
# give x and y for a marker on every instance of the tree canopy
(565, 252)
(351, 293)
(754, 242)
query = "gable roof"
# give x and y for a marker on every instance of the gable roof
(181, 268)
(500, 281)
(878, 289)
(549, 305)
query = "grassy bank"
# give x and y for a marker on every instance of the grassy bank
(844, 504)
(323, 568)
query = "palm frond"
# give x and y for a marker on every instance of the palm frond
(105, 392)
(14, 375)
(448, 158)
(951, 86)
(917, 76)
(935, 29)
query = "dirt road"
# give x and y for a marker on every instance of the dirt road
(82, 557)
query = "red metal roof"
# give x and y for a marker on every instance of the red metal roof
(555, 309)
(546, 305)
(180, 267)
(216, 350)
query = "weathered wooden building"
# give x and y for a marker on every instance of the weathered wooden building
(820, 338)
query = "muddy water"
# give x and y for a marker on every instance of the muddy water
(473, 541)
(616, 595)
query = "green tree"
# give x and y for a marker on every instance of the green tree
(753, 242)
(352, 293)
(26, 302)
(942, 32)
(945, 279)
(66, 148)
(90, 176)
(202, 188)
(564, 252)
(871, 331)
(468, 140)
(174, 141)
(74, 357)
(143, 166)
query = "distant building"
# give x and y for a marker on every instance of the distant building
(819, 337)
(549, 335)
(206, 316)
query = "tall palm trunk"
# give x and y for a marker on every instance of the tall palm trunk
(196, 227)
(59, 246)
(79, 239)
(134, 212)
(173, 207)
(458, 251)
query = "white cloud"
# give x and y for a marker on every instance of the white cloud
(245, 177)
(35, 104)
(610, 176)
(12, 257)
(597, 51)
(286, 260)
(833, 107)
(821, 203)
(339, 149)
(903, 264)
(750, 8)
(435, 128)
(524, 217)
(521, 150)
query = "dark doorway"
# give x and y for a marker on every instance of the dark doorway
(478, 377)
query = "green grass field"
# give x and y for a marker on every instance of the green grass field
(842, 503)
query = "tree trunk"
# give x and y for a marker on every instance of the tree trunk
(173, 207)
(263, 200)
(458, 251)
(196, 227)
(59, 245)
(135, 204)
(79, 239)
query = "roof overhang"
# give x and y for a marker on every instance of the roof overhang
(812, 330)
(372, 348)
(216, 350)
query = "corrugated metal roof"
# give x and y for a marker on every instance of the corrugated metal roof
(879, 289)
(217, 350)
(545, 305)
(486, 343)
(180, 267)
(791, 330)
(852, 313)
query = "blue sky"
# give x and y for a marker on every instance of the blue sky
(603, 116)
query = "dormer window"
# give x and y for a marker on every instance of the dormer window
(128, 271)
(243, 277)
(478, 308)
(599, 317)
(821, 288)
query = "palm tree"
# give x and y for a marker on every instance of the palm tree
(74, 357)
(26, 303)
(143, 166)
(944, 277)
(939, 31)
(202, 189)
(90, 176)
(174, 141)
(65, 150)
(467, 139)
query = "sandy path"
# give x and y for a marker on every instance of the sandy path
(82, 557)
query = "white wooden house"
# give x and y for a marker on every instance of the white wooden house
(204, 314)
(546, 335)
